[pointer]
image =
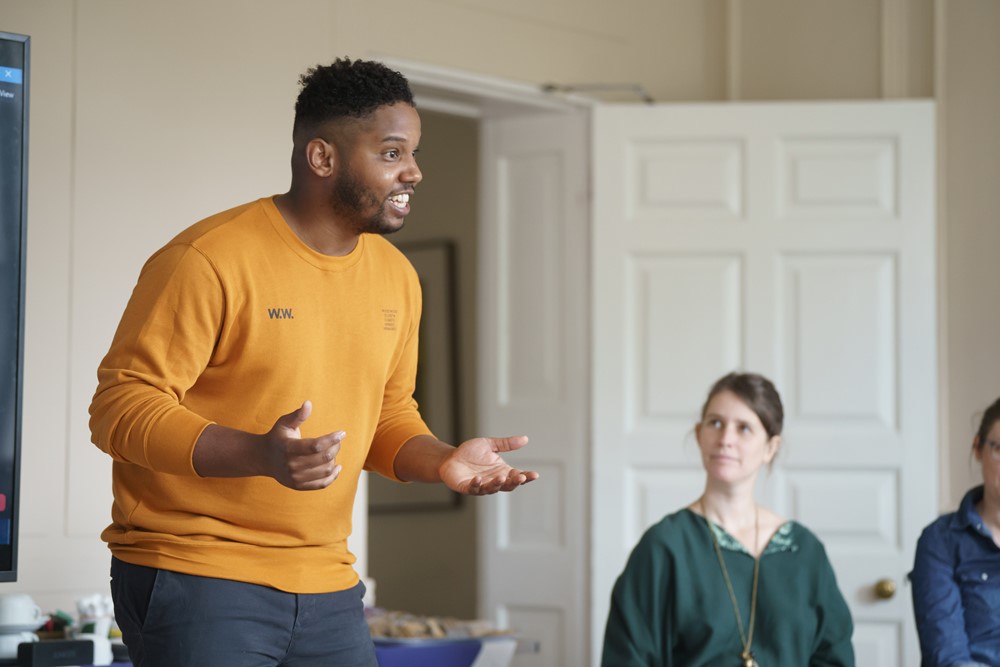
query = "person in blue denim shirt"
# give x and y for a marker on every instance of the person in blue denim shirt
(956, 573)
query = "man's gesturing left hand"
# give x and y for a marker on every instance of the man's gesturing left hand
(475, 467)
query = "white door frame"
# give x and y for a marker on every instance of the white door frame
(452, 91)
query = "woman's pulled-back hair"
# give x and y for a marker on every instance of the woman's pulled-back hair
(758, 393)
(347, 88)
(990, 417)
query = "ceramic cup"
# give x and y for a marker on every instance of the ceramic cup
(19, 609)
(10, 642)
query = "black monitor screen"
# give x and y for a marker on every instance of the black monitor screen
(13, 218)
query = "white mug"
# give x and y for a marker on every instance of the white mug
(19, 609)
(9, 643)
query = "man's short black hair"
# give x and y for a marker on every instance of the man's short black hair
(347, 88)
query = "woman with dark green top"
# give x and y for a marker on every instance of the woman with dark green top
(725, 582)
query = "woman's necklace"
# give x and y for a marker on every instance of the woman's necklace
(747, 639)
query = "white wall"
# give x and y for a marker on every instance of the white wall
(148, 116)
(968, 33)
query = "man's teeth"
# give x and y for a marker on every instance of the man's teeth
(402, 199)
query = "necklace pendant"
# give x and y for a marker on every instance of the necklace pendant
(748, 660)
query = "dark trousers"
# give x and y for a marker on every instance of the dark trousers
(170, 619)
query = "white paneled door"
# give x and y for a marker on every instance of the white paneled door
(795, 240)
(533, 378)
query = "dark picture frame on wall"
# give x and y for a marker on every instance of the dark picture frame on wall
(438, 377)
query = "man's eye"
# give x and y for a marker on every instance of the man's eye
(392, 154)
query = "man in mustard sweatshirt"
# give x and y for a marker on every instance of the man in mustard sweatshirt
(267, 355)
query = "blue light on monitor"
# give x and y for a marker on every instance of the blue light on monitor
(11, 75)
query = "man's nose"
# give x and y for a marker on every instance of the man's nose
(412, 173)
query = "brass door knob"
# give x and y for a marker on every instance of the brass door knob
(885, 589)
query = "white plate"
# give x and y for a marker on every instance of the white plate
(10, 629)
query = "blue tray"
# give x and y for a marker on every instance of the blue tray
(447, 652)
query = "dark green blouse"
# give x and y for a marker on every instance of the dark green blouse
(670, 606)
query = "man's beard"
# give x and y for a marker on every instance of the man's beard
(350, 200)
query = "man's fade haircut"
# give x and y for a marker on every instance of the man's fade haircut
(347, 88)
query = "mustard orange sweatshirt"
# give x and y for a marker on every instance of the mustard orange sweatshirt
(237, 322)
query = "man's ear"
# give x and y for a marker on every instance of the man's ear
(321, 157)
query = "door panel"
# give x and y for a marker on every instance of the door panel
(796, 240)
(533, 379)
